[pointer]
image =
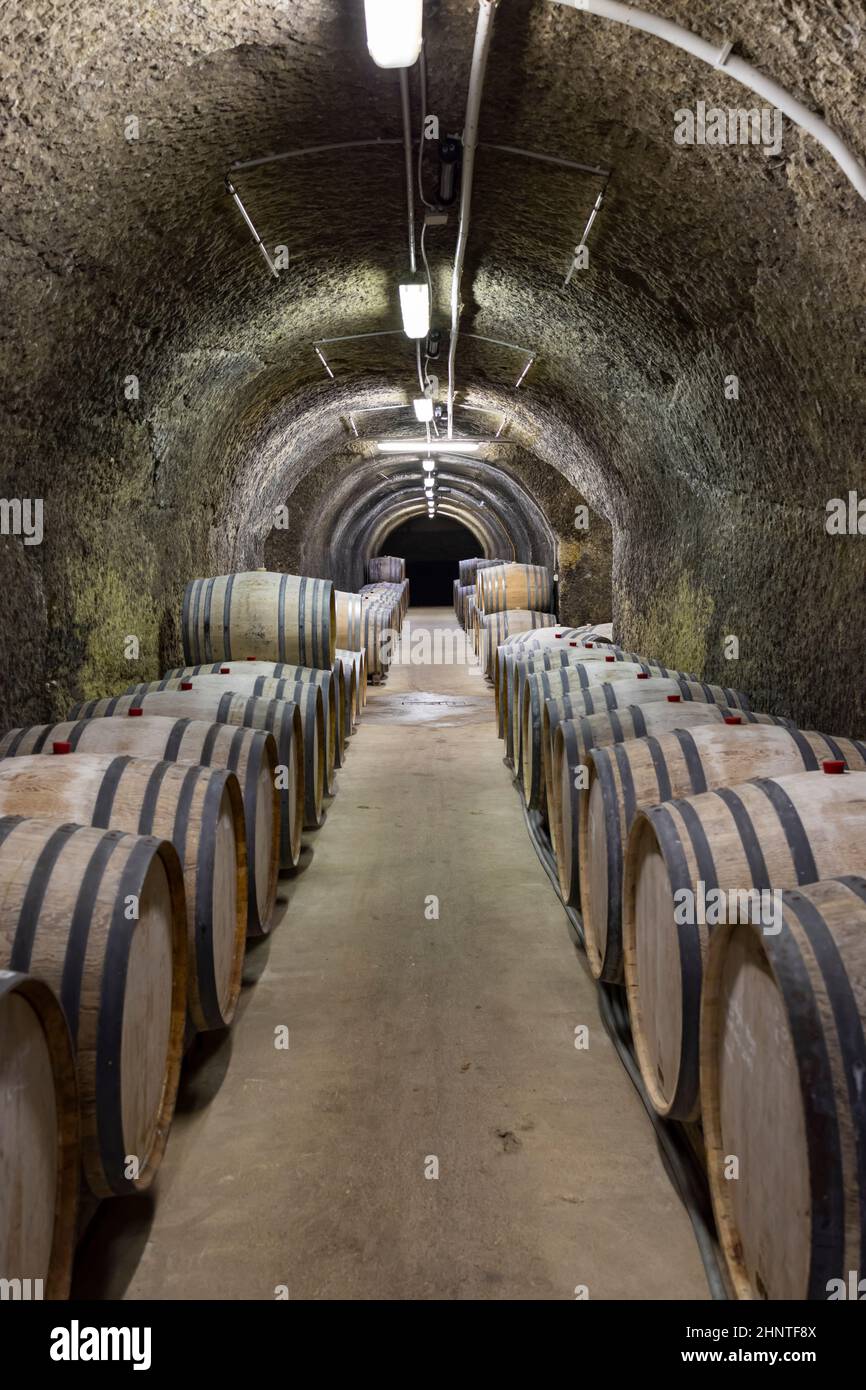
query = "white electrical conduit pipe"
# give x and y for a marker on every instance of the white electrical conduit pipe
(483, 35)
(741, 71)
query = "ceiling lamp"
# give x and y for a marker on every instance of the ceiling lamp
(423, 409)
(435, 446)
(394, 31)
(415, 308)
(428, 465)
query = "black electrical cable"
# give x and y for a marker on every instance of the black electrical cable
(678, 1155)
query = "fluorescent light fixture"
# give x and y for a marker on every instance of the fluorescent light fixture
(435, 446)
(394, 31)
(415, 308)
(423, 409)
(428, 465)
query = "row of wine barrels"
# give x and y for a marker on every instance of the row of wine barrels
(465, 592)
(345, 673)
(495, 627)
(626, 777)
(528, 717)
(574, 701)
(511, 585)
(198, 809)
(568, 741)
(389, 568)
(782, 1060)
(264, 687)
(249, 753)
(357, 660)
(558, 659)
(271, 616)
(753, 838)
(299, 749)
(364, 626)
(99, 916)
(40, 1145)
(467, 570)
(392, 599)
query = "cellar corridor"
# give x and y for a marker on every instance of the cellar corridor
(410, 1039)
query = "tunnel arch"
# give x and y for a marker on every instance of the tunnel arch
(128, 261)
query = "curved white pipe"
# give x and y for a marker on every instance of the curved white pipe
(737, 68)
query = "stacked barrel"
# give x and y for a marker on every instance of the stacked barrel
(141, 841)
(717, 858)
(506, 599)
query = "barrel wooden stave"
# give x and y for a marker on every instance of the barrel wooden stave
(782, 1055)
(771, 833)
(39, 1126)
(265, 614)
(494, 628)
(198, 809)
(67, 916)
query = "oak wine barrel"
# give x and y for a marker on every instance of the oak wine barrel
(642, 772)
(275, 617)
(388, 568)
(360, 626)
(495, 627)
(573, 741)
(250, 754)
(512, 585)
(198, 809)
(767, 834)
(277, 717)
(39, 1156)
(266, 688)
(783, 1058)
(99, 916)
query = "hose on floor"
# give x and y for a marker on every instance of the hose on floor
(678, 1155)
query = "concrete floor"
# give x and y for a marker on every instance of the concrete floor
(410, 1039)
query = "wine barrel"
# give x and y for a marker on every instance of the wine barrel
(503, 587)
(558, 659)
(276, 717)
(767, 834)
(99, 916)
(266, 688)
(251, 755)
(573, 702)
(645, 771)
(39, 1125)
(495, 627)
(362, 625)
(573, 740)
(387, 568)
(782, 1064)
(198, 809)
(358, 662)
(467, 570)
(528, 723)
(522, 644)
(276, 617)
(274, 670)
(464, 593)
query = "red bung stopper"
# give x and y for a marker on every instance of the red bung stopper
(186, 685)
(133, 712)
(610, 658)
(733, 719)
(61, 747)
(674, 699)
(251, 658)
(833, 766)
(224, 671)
(642, 676)
(590, 644)
(558, 636)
